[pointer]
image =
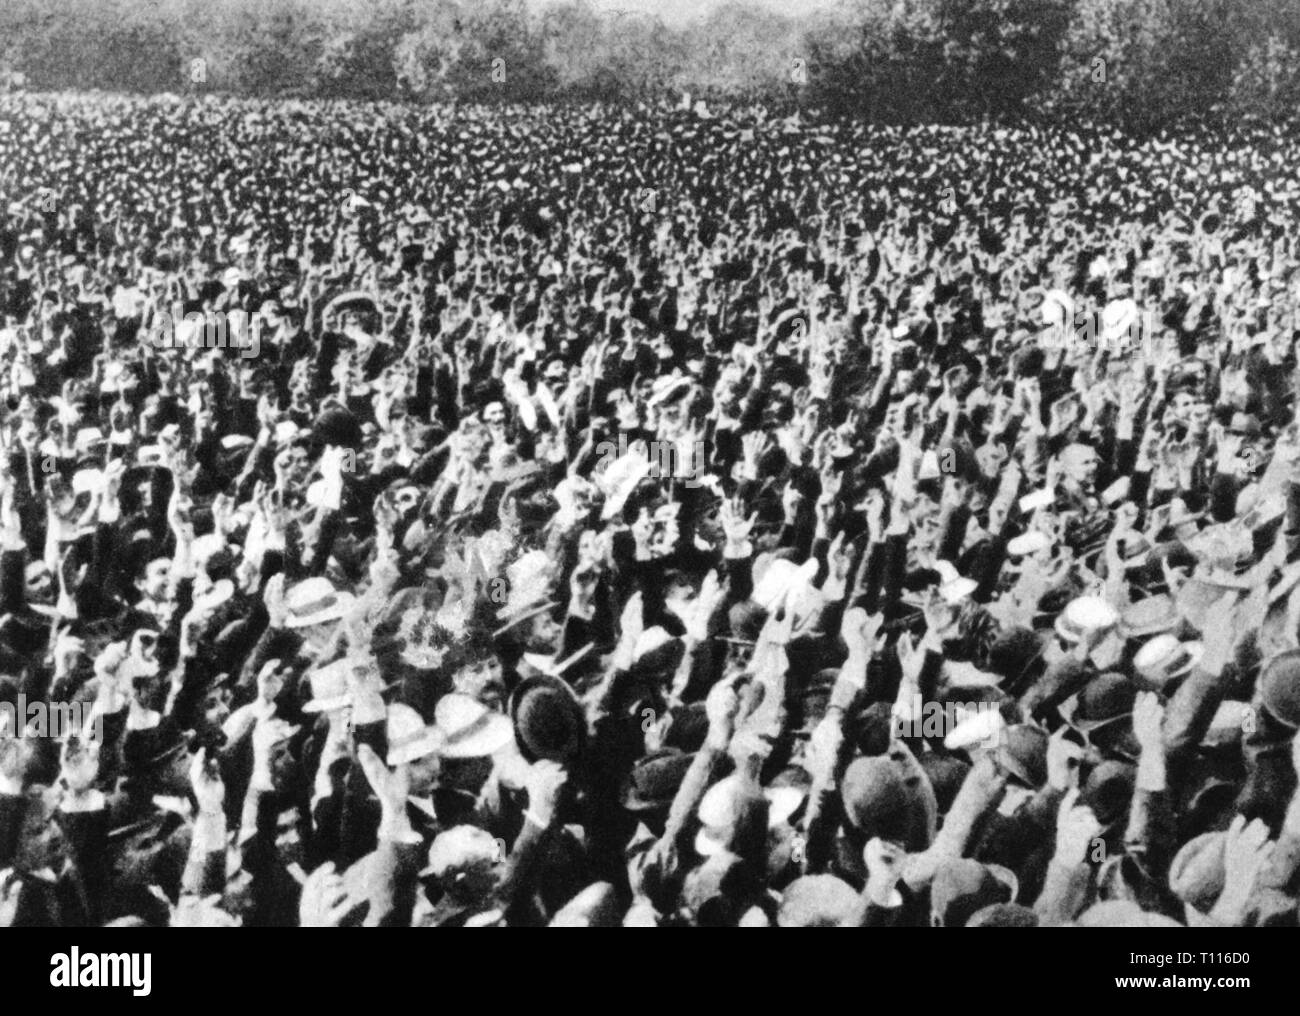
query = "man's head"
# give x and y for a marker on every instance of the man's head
(39, 581)
(154, 580)
(465, 862)
(1079, 463)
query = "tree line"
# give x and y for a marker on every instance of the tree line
(1142, 64)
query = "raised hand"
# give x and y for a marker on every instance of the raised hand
(1246, 852)
(392, 787)
(325, 901)
(1077, 829)
(860, 632)
(736, 526)
(545, 783)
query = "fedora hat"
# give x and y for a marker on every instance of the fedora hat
(1085, 614)
(1153, 616)
(549, 721)
(653, 782)
(315, 601)
(1106, 699)
(409, 738)
(1164, 659)
(1023, 753)
(469, 729)
(329, 687)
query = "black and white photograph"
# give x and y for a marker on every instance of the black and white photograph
(650, 463)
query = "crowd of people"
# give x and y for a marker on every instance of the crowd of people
(643, 517)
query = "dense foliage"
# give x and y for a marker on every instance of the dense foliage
(1140, 63)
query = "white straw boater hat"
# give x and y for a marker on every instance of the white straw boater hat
(409, 737)
(469, 729)
(315, 601)
(329, 687)
(1085, 614)
(530, 580)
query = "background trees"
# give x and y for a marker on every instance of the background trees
(1143, 64)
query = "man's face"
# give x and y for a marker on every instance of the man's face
(554, 376)
(40, 583)
(316, 638)
(494, 415)
(1081, 466)
(295, 463)
(542, 634)
(216, 707)
(283, 766)
(157, 575)
(1180, 407)
(424, 773)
